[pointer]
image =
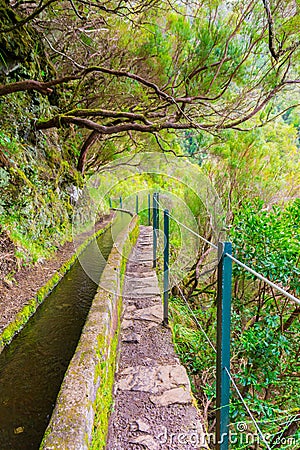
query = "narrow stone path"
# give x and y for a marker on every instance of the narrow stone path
(153, 407)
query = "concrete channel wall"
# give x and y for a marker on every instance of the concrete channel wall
(80, 417)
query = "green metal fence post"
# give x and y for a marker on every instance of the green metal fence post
(155, 228)
(157, 211)
(223, 344)
(110, 202)
(121, 203)
(166, 267)
(149, 210)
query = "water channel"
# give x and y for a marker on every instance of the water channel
(32, 367)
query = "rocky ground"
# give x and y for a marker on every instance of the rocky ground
(153, 408)
(27, 281)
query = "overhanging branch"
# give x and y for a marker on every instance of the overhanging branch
(128, 121)
(43, 87)
(272, 35)
(271, 27)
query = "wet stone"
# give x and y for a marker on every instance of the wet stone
(140, 425)
(127, 324)
(153, 379)
(153, 313)
(177, 395)
(133, 338)
(147, 441)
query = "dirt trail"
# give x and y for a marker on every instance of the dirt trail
(27, 282)
(153, 405)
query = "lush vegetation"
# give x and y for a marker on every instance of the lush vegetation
(265, 325)
(209, 82)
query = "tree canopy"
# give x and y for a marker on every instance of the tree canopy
(122, 68)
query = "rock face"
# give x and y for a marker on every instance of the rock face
(153, 403)
(8, 261)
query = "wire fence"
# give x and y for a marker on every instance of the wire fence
(237, 261)
(257, 275)
(222, 444)
(227, 371)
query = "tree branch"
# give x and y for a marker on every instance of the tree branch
(132, 76)
(78, 117)
(272, 35)
(196, 71)
(258, 108)
(92, 138)
(59, 121)
(75, 10)
(108, 113)
(43, 87)
(271, 27)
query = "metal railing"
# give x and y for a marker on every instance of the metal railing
(224, 291)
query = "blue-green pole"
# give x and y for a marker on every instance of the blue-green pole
(223, 344)
(121, 203)
(155, 228)
(166, 267)
(137, 204)
(110, 202)
(157, 210)
(149, 210)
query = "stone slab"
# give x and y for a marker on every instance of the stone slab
(146, 441)
(132, 337)
(152, 314)
(177, 395)
(153, 379)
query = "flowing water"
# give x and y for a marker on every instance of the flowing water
(32, 367)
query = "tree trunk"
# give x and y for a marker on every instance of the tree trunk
(92, 138)
(291, 319)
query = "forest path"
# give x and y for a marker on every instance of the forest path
(153, 406)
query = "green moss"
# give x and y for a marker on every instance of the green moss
(29, 309)
(133, 235)
(108, 356)
(104, 400)
(107, 333)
